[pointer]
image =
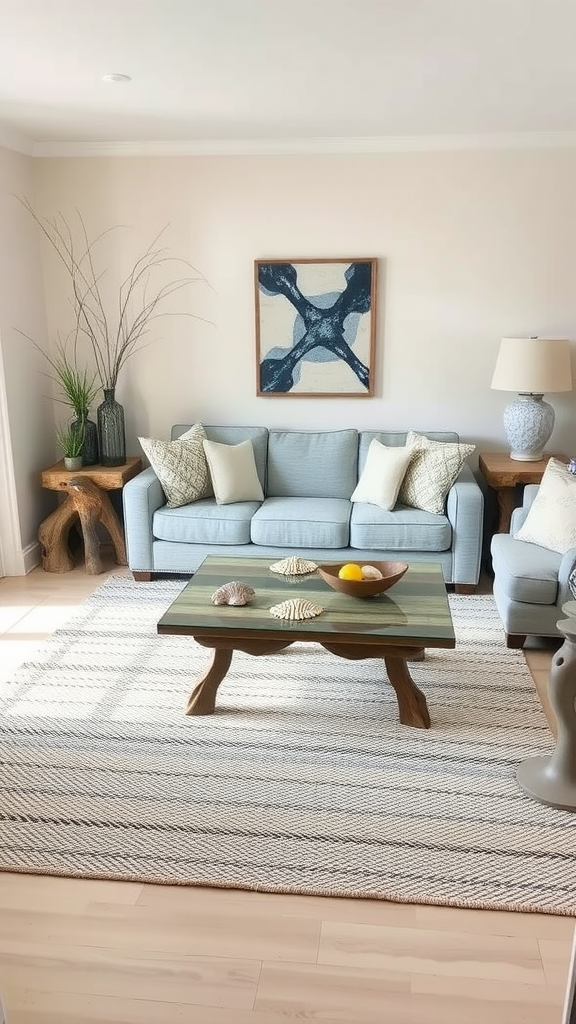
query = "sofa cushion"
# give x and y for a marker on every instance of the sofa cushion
(234, 435)
(382, 475)
(302, 523)
(404, 529)
(551, 520)
(312, 463)
(180, 466)
(433, 469)
(525, 572)
(233, 472)
(205, 522)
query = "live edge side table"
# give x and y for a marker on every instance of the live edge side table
(88, 504)
(503, 473)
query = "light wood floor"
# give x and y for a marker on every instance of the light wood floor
(80, 951)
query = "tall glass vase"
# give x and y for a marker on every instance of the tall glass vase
(111, 433)
(90, 443)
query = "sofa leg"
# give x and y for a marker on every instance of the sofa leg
(464, 588)
(142, 577)
(515, 641)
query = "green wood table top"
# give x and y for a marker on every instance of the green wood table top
(414, 610)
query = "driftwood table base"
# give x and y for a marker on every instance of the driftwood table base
(86, 505)
(412, 706)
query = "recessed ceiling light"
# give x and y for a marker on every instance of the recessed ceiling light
(116, 78)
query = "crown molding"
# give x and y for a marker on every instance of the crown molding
(317, 146)
(19, 143)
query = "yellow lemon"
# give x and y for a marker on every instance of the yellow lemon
(350, 572)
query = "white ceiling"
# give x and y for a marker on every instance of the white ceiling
(217, 73)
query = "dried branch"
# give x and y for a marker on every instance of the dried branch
(112, 339)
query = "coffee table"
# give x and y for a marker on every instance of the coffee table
(396, 626)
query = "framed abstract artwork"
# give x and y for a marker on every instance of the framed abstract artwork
(315, 327)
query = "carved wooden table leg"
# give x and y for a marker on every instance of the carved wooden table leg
(202, 700)
(53, 537)
(412, 706)
(93, 506)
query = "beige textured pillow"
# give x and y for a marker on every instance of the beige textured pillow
(180, 466)
(382, 475)
(433, 469)
(551, 520)
(233, 472)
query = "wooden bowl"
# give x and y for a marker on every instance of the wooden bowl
(391, 573)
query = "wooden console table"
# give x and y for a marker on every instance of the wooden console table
(503, 473)
(88, 504)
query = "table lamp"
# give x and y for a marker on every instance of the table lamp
(531, 366)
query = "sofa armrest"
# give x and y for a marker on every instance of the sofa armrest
(567, 564)
(465, 510)
(141, 497)
(518, 517)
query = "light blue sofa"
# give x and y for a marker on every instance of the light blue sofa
(307, 478)
(531, 583)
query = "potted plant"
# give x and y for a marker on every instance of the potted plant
(113, 333)
(70, 438)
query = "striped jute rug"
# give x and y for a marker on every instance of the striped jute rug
(303, 781)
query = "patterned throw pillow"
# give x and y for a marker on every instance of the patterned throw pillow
(433, 469)
(180, 466)
(551, 520)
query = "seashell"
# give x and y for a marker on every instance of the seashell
(370, 572)
(296, 608)
(235, 593)
(294, 566)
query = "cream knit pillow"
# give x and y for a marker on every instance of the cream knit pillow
(180, 466)
(233, 472)
(551, 519)
(382, 475)
(433, 469)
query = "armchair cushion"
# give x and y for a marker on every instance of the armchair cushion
(551, 520)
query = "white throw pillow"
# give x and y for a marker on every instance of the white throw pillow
(382, 475)
(551, 519)
(433, 469)
(180, 466)
(233, 472)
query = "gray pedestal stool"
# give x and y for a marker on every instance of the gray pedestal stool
(551, 779)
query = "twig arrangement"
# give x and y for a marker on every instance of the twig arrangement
(112, 339)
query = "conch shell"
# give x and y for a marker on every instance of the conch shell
(293, 566)
(296, 608)
(370, 572)
(235, 593)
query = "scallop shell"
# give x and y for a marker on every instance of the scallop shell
(296, 608)
(293, 566)
(235, 593)
(370, 572)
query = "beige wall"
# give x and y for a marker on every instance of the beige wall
(26, 417)
(473, 246)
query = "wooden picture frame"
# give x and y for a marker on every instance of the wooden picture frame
(315, 327)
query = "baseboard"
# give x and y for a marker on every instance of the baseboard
(32, 556)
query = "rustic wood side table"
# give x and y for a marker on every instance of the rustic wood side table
(88, 504)
(503, 474)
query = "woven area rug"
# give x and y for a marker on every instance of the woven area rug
(302, 782)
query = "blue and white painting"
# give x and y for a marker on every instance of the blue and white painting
(315, 327)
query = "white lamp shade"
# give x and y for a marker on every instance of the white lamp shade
(533, 366)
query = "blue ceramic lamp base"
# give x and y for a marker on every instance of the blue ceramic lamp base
(528, 424)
